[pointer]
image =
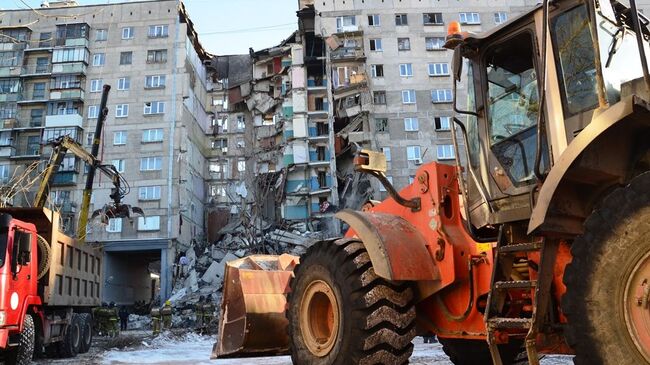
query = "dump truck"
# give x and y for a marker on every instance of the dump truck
(536, 242)
(49, 281)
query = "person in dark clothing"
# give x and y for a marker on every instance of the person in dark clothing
(124, 318)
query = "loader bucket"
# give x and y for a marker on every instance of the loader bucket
(253, 320)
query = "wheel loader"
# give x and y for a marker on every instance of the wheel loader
(538, 243)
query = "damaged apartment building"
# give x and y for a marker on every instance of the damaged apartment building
(53, 64)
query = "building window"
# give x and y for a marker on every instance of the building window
(70, 55)
(438, 69)
(122, 110)
(241, 122)
(119, 138)
(149, 193)
(157, 56)
(150, 223)
(401, 19)
(119, 165)
(89, 138)
(123, 83)
(158, 31)
(445, 152)
(379, 97)
(386, 152)
(411, 124)
(413, 153)
(442, 123)
(432, 19)
(441, 96)
(381, 125)
(126, 58)
(408, 96)
(93, 112)
(127, 33)
(377, 70)
(346, 24)
(114, 225)
(469, 18)
(39, 91)
(241, 165)
(96, 85)
(152, 135)
(406, 69)
(154, 107)
(151, 164)
(374, 20)
(390, 180)
(403, 44)
(99, 59)
(154, 81)
(101, 34)
(36, 118)
(500, 17)
(375, 45)
(435, 43)
(9, 58)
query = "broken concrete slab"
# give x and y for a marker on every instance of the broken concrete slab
(210, 274)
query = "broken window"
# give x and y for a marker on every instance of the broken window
(346, 23)
(401, 19)
(381, 125)
(157, 56)
(386, 152)
(377, 70)
(379, 97)
(432, 19)
(240, 142)
(442, 123)
(322, 179)
(435, 43)
(403, 44)
(241, 122)
(241, 165)
(114, 225)
(374, 20)
(322, 129)
(320, 153)
(154, 107)
(375, 45)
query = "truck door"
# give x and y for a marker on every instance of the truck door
(22, 280)
(512, 106)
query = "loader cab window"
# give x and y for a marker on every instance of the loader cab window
(576, 64)
(513, 105)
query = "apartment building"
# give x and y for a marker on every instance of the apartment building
(54, 62)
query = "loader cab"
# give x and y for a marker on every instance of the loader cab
(506, 117)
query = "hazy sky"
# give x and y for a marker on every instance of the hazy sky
(226, 26)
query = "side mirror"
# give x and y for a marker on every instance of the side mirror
(457, 63)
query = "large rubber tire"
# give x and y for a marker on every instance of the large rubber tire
(23, 353)
(616, 239)
(376, 317)
(86, 332)
(71, 343)
(44, 256)
(476, 352)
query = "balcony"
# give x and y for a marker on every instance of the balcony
(65, 206)
(10, 71)
(36, 70)
(64, 120)
(29, 96)
(8, 123)
(347, 54)
(63, 178)
(10, 97)
(69, 68)
(27, 150)
(69, 93)
(71, 42)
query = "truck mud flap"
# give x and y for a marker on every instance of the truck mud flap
(253, 308)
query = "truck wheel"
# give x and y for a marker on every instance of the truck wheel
(607, 301)
(86, 332)
(341, 312)
(71, 343)
(476, 352)
(22, 354)
(44, 256)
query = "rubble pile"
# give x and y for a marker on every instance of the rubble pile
(199, 270)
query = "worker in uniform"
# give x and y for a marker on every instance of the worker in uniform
(124, 317)
(113, 320)
(166, 313)
(155, 321)
(208, 314)
(198, 309)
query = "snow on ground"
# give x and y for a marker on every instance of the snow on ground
(191, 348)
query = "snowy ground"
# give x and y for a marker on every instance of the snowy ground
(194, 349)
